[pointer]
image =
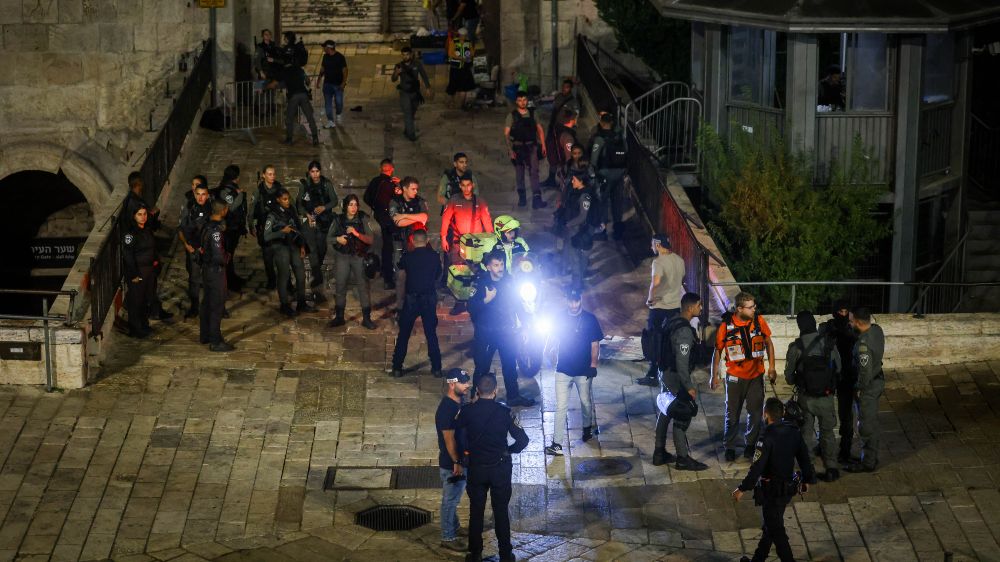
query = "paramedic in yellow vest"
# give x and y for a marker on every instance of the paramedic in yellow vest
(509, 241)
(460, 79)
(466, 213)
(742, 340)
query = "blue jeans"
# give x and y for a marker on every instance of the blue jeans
(451, 494)
(331, 93)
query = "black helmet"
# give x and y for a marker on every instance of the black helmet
(794, 413)
(372, 265)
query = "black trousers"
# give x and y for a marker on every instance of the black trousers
(194, 278)
(138, 299)
(210, 316)
(654, 323)
(773, 527)
(388, 268)
(231, 239)
(494, 480)
(845, 409)
(424, 307)
(270, 270)
(288, 261)
(488, 342)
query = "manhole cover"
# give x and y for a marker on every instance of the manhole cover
(416, 477)
(374, 478)
(392, 518)
(601, 467)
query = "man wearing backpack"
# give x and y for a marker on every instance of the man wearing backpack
(299, 97)
(742, 340)
(609, 157)
(524, 138)
(812, 366)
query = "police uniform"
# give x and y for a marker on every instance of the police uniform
(139, 254)
(578, 238)
(131, 206)
(524, 141)
(422, 267)
(815, 405)
(495, 325)
(285, 248)
(194, 217)
(840, 328)
(611, 179)
(349, 267)
(213, 258)
(236, 226)
(676, 379)
(400, 235)
(448, 186)
(487, 423)
(565, 139)
(771, 477)
(463, 216)
(378, 195)
(311, 196)
(868, 353)
(262, 205)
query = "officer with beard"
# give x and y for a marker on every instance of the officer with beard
(194, 215)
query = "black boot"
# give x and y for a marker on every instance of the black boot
(661, 456)
(338, 319)
(522, 200)
(304, 306)
(366, 318)
(587, 434)
(537, 203)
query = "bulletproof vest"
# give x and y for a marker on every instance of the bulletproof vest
(815, 372)
(614, 154)
(523, 129)
(354, 246)
(667, 356)
(265, 199)
(451, 187)
(316, 195)
(743, 343)
(406, 207)
(197, 217)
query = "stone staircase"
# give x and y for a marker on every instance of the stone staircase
(349, 20)
(982, 259)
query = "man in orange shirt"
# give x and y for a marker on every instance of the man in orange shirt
(743, 339)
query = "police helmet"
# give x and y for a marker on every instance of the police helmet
(506, 223)
(372, 265)
(682, 408)
(794, 413)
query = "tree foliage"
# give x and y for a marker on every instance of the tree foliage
(662, 43)
(773, 224)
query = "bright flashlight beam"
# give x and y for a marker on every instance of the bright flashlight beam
(543, 326)
(528, 292)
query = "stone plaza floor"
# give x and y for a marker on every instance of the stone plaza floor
(180, 454)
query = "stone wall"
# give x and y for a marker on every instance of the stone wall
(75, 221)
(68, 354)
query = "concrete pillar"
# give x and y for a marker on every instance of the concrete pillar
(801, 85)
(906, 187)
(225, 39)
(716, 79)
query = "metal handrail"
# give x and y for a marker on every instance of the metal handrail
(946, 263)
(670, 83)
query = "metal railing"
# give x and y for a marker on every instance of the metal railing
(934, 152)
(673, 130)
(104, 277)
(939, 298)
(654, 99)
(835, 134)
(252, 105)
(919, 308)
(588, 70)
(162, 155)
(45, 318)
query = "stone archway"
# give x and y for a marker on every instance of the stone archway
(49, 157)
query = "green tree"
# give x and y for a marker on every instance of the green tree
(662, 43)
(773, 224)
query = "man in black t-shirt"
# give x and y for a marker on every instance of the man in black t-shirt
(451, 450)
(333, 71)
(578, 335)
(421, 269)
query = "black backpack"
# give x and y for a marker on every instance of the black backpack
(666, 360)
(814, 373)
(614, 153)
(301, 53)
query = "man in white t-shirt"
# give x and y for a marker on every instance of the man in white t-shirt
(664, 298)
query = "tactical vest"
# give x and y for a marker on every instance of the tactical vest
(523, 130)
(316, 195)
(743, 343)
(453, 179)
(354, 247)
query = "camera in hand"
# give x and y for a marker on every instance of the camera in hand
(453, 479)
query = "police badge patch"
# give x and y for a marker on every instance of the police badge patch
(516, 420)
(756, 456)
(864, 359)
(685, 348)
(217, 236)
(305, 197)
(472, 292)
(586, 204)
(128, 238)
(267, 225)
(229, 199)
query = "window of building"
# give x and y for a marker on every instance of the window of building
(757, 66)
(853, 72)
(938, 83)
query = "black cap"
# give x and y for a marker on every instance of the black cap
(458, 375)
(662, 238)
(574, 294)
(329, 43)
(806, 322)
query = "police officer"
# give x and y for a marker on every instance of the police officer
(578, 238)
(379, 193)
(607, 156)
(772, 479)
(564, 135)
(466, 213)
(677, 362)
(867, 356)
(139, 255)
(195, 214)
(351, 236)
(214, 257)
(496, 316)
(236, 220)
(811, 366)
(406, 211)
(448, 185)
(317, 202)
(420, 269)
(267, 191)
(487, 423)
(283, 235)
(839, 327)
(524, 137)
(134, 200)
(565, 99)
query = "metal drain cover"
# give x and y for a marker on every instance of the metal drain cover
(392, 518)
(601, 468)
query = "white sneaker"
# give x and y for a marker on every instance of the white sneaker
(340, 119)
(332, 124)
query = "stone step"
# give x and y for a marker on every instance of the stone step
(981, 216)
(984, 231)
(982, 247)
(986, 275)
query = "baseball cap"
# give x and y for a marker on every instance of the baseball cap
(457, 375)
(574, 294)
(662, 238)
(329, 43)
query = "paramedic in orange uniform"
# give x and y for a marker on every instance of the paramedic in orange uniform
(742, 340)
